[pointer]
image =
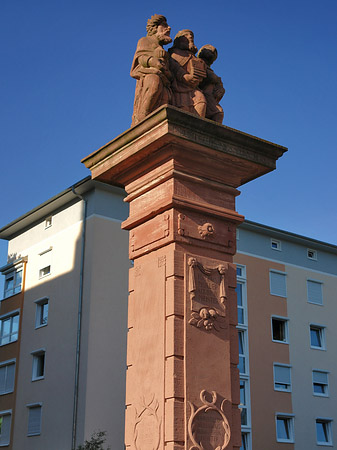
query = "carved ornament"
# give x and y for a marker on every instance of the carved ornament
(206, 230)
(147, 426)
(208, 427)
(208, 295)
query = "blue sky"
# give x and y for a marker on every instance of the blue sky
(66, 91)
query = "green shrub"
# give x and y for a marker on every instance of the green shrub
(96, 442)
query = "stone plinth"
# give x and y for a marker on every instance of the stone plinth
(181, 174)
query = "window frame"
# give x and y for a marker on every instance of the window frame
(48, 222)
(35, 364)
(289, 386)
(326, 392)
(46, 263)
(319, 282)
(290, 420)
(17, 287)
(247, 438)
(314, 254)
(243, 355)
(242, 281)
(278, 244)
(285, 321)
(10, 362)
(279, 272)
(327, 421)
(7, 412)
(38, 312)
(321, 330)
(30, 407)
(245, 406)
(5, 317)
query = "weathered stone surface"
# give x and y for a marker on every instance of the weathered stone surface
(181, 174)
(176, 77)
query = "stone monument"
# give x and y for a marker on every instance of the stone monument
(181, 173)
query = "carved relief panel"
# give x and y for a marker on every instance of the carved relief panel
(209, 231)
(208, 426)
(207, 288)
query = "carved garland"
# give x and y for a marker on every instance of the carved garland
(208, 406)
(148, 409)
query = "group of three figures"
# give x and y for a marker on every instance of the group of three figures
(176, 77)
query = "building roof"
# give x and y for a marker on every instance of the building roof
(87, 184)
(47, 208)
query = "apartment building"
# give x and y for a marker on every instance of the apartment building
(287, 314)
(63, 322)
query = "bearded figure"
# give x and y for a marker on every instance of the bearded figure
(150, 67)
(188, 71)
(211, 86)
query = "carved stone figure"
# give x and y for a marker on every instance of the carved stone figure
(188, 71)
(211, 86)
(150, 67)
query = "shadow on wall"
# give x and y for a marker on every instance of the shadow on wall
(45, 353)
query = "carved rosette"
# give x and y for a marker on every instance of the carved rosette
(208, 295)
(208, 427)
(147, 426)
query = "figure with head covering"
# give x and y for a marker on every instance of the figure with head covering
(211, 86)
(150, 67)
(188, 72)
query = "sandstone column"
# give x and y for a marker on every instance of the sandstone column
(181, 174)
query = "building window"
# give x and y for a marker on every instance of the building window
(317, 337)
(45, 262)
(245, 442)
(5, 427)
(241, 295)
(275, 244)
(241, 271)
(284, 428)
(48, 222)
(320, 383)
(44, 272)
(38, 365)
(279, 328)
(282, 378)
(278, 285)
(323, 431)
(34, 419)
(42, 307)
(7, 376)
(314, 291)
(9, 329)
(244, 395)
(243, 369)
(312, 254)
(13, 282)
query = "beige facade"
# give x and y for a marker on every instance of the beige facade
(286, 322)
(54, 404)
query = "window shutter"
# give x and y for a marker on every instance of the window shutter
(278, 284)
(315, 292)
(34, 420)
(9, 387)
(320, 377)
(282, 374)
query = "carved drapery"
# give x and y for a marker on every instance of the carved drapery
(208, 295)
